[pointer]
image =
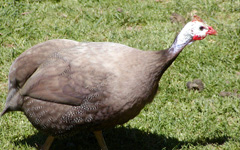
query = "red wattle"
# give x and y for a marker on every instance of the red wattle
(196, 37)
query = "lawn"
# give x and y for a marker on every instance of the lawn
(177, 118)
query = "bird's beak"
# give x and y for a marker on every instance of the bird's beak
(211, 31)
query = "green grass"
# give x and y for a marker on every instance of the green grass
(177, 118)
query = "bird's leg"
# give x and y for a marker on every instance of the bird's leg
(47, 143)
(100, 139)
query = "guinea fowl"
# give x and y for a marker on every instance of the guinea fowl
(64, 86)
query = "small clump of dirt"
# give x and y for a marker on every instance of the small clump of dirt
(176, 18)
(229, 94)
(196, 84)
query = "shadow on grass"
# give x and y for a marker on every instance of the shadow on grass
(118, 139)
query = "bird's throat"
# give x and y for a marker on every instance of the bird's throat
(179, 43)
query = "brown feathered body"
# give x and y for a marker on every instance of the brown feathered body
(64, 86)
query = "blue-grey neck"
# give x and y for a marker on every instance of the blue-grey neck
(178, 46)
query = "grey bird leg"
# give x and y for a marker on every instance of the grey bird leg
(100, 139)
(47, 143)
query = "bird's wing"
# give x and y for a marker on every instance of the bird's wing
(67, 77)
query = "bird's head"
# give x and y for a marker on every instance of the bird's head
(198, 30)
(192, 31)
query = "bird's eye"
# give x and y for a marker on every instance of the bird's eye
(201, 28)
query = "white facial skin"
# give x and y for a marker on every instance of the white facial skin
(198, 28)
(191, 29)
